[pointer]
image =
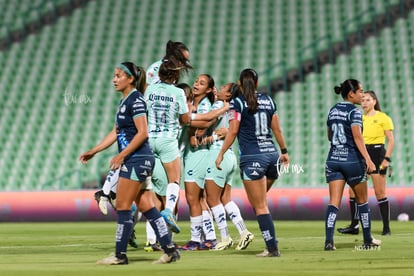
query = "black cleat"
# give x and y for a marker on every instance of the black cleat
(171, 255)
(267, 253)
(329, 246)
(386, 231)
(352, 230)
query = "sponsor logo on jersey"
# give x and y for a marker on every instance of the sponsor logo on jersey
(163, 98)
(122, 109)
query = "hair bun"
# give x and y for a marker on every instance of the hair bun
(338, 89)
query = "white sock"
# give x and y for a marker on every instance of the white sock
(196, 228)
(151, 236)
(220, 217)
(111, 182)
(234, 214)
(172, 194)
(208, 226)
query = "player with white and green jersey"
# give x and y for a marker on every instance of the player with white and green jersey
(195, 164)
(225, 175)
(152, 72)
(167, 110)
(219, 182)
(174, 50)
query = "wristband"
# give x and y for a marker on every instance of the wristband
(388, 159)
(193, 115)
(284, 150)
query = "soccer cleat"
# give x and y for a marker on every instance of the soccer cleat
(224, 244)
(167, 258)
(103, 205)
(112, 199)
(191, 246)
(114, 260)
(374, 243)
(208, 244)
(386, 231)
(170, 220)
(151, 247)
(102, 201)
(133, 240)
(98, 195)
(267, 253)
(351, 229)
(329, 246)
(245, 239)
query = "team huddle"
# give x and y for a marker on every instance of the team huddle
(168, 132)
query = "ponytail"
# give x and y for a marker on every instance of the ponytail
(248, 83)
(137, 72)
(346, 87)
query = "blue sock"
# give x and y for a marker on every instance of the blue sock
(160, 227)
(268, 231)
(330, 221)
(365, 218)
(123, 232)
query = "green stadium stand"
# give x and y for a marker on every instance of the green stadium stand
(57, 99)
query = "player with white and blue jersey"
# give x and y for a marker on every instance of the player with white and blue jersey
(348, 161)
(253, 119)
(136, 162)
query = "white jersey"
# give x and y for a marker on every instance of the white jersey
(222, 121)
(152, 73)
(165, 104)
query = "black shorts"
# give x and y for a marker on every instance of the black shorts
(377, 154)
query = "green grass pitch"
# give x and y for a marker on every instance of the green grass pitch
(73, 248)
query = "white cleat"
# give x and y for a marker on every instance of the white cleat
(168, 258)
(224, 244)
(103, 205)
(113, 260)
(245, 239)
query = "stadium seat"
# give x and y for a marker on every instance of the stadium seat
(76, 54)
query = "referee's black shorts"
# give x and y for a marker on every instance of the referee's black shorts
(377, 154)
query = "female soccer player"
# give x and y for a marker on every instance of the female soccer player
(253, 118)
(378, 127)
(136, 161)
(195, 165)
(348, 161)
(167, 110)
(218, 182)
(179, 51)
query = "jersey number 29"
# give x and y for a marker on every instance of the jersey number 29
(338, 134)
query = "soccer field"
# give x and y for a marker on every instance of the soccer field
(73, 249)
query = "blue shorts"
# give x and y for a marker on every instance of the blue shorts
(352, 172)
(137, 168)
(253, 167)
